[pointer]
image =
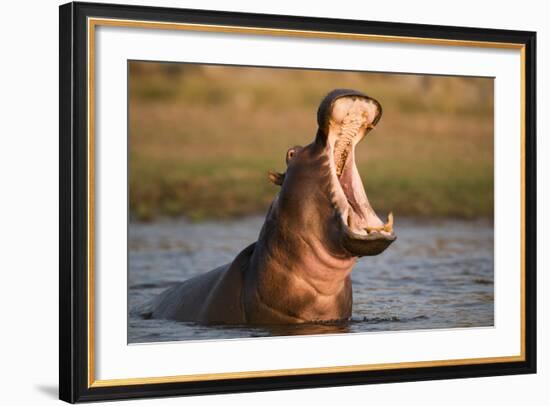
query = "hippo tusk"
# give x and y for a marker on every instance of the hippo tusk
(388, 227)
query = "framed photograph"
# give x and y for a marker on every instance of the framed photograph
(257, 202)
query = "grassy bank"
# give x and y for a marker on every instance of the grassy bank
(203, 138)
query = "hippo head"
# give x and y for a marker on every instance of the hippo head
(322, 198)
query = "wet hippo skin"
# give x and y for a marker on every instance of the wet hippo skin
(316, 228)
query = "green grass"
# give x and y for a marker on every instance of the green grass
(203, 139)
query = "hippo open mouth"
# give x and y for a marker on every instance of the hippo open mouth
(350, 118)
(300, 268)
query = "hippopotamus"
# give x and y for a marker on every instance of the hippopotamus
(318, 225)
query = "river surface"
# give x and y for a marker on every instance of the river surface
(438, 274)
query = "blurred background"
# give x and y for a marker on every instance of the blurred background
(202, 139)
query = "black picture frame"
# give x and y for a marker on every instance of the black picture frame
(73, 256)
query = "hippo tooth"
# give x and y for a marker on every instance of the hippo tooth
(349, 218)
(388, 227)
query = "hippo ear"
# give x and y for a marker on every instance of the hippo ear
(276, 177)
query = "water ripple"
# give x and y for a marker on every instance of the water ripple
(436, 275)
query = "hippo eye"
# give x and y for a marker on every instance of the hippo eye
(290, 154)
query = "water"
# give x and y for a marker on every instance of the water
(438, 274)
